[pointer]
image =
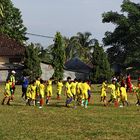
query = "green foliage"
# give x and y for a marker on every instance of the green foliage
(1, 11)
(32, 62)
(125, 39)
(79, 46)
(11, 23)
(101, 65)
(58, 54)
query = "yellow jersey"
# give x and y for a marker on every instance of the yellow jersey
(113, 90)
(59, 86)
(73, 87)
(68, 89)
(123, 93)
(42, 90)
(33, 91)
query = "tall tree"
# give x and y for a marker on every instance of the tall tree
(125, 39)
(12, 23)
(101, 65)
(32, 62)
(58, 53)
(80, 46)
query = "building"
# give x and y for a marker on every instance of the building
(11, 56)
(74, 68)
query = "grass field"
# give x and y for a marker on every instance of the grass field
(56, 122)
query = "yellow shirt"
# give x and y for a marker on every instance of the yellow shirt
(68, 90)
(123, 91)
(49, 84)
(85, 87)
(79, 87)
(33, 91)
(59, 85)
(37, 83)
(73, 87)
(42, 90)
(113, 89)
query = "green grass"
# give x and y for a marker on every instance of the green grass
(55, 121)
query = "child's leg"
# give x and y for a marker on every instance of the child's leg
(68, 101)
(8, 102)
(86, 103)
(3, 100)
(104, 100)
(33, 102)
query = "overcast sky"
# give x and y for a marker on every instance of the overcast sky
(66, 16)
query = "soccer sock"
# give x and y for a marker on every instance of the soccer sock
(86, 102)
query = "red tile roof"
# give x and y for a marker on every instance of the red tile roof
(10, 47)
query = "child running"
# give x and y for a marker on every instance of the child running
(59, 88)
(113, 93)
(33, 92)
(29, 94)
(49, 90)
(103, 92)
(7, 93)
(123, 94)
(79, 92)
(41, 93)
(68, 92)
(73, 88)
(85, 87)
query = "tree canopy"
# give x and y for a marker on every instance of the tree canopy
(11, 22)
(125, 39)
(32, 62)
(58, 55)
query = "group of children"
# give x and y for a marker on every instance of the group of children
(39, 91)
(118, 92)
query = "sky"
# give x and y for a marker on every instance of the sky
(46, 17)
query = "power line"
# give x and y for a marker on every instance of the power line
(38, 35)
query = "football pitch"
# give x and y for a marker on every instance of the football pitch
(56, 122)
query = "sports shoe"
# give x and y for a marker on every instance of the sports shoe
(40, 107)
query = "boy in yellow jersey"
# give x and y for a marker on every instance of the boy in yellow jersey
(118, 91)
(59, 88)
(79, 92)
(73, 88)
(37, 83)
(68, 92)
(33, 92)
(29, 94)
(49, 90)
(103, 92)
(42, 93)
(113, 93)
(123, 95)
(85, 88)
(13, 81)
(7, 93)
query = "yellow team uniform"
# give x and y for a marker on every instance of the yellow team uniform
(103, 90)
(123, 94)
(59, 87)
(113, 91)
(37, 83)
(49, 88)
(79, 89)
(73, 88)
(42, 90)
(85, 87)
(68, 91)
(118, 90)
(33, 91)
(28, 92)
(7, 89)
